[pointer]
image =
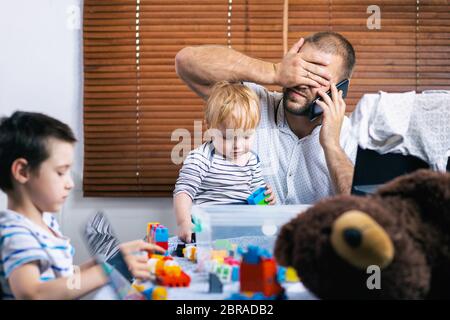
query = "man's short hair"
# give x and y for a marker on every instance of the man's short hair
(25, 135)
(337, 44)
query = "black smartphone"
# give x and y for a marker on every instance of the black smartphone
(315, 110)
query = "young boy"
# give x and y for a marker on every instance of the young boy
(224, 170)
(36, 155)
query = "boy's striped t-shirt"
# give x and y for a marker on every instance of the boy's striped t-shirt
(22, 241)
(209, 178)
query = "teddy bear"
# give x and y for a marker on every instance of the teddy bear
(393, 244)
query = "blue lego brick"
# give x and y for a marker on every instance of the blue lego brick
(198, 227)
(253, 296)
(148, 293)
(254, 254)
(257, 197)
(281, 274)
(235, 274)
(161, 234)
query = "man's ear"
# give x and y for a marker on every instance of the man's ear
(20, 170)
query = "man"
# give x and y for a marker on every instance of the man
(303, 161)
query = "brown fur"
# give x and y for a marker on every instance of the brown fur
(415, 212)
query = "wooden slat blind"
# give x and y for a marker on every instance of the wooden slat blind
(433, 45)
(110, 88)
(133, 97)
(409, 52)
(133, 100)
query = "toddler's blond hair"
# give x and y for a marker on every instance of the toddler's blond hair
(232, 105)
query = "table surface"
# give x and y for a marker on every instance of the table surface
(199, 286)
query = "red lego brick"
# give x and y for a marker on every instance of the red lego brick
(164, 245)
(261, 277)
(231, 261)
(183, 280)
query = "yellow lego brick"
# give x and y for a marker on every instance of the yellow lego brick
(291, 275)
(138, 287)
(159, 293)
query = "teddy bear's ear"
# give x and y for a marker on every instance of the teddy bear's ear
(284, 244)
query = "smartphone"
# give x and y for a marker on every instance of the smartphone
(315, 110)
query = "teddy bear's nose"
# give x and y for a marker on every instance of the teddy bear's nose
(358, 239)
(353, 237)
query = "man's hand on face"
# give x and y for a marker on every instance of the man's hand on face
(333, 117)
(296, 70)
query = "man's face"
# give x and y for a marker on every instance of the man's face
(297, 99)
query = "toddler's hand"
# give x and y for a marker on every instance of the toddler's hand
(185, 231)
(270, 200)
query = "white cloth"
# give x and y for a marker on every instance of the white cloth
(406, 123)
(295, 168)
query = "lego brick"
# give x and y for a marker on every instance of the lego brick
(224, 273)
(179, 250)
(155, 293)
(235, 273)
(258, 197)
(231, 261)
(291, 275)
(254, 254)
(215, 285)
(197, 225)
(183, 280)
(164, 245)
(258, 272)
(161, 234)
(281, 274)
(222, 244)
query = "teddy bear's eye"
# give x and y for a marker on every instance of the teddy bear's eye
(326, 231)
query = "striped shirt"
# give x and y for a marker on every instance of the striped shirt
(209, 178)
(22, 242)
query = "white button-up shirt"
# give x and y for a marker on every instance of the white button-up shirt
(295, 168)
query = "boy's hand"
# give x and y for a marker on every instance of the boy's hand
(270, 200)
(185, 231)
(135, 258)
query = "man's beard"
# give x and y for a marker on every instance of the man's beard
(302, 110)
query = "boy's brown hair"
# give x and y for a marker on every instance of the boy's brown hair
(25, 135)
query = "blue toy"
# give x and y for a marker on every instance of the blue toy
(281, 274)
(235, 274)
(254, 253)
(258, 197)
(161, 234)
(256, 296)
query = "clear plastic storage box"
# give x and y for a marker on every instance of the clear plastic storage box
(242, 225)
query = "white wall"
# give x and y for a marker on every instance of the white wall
(41, 70)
